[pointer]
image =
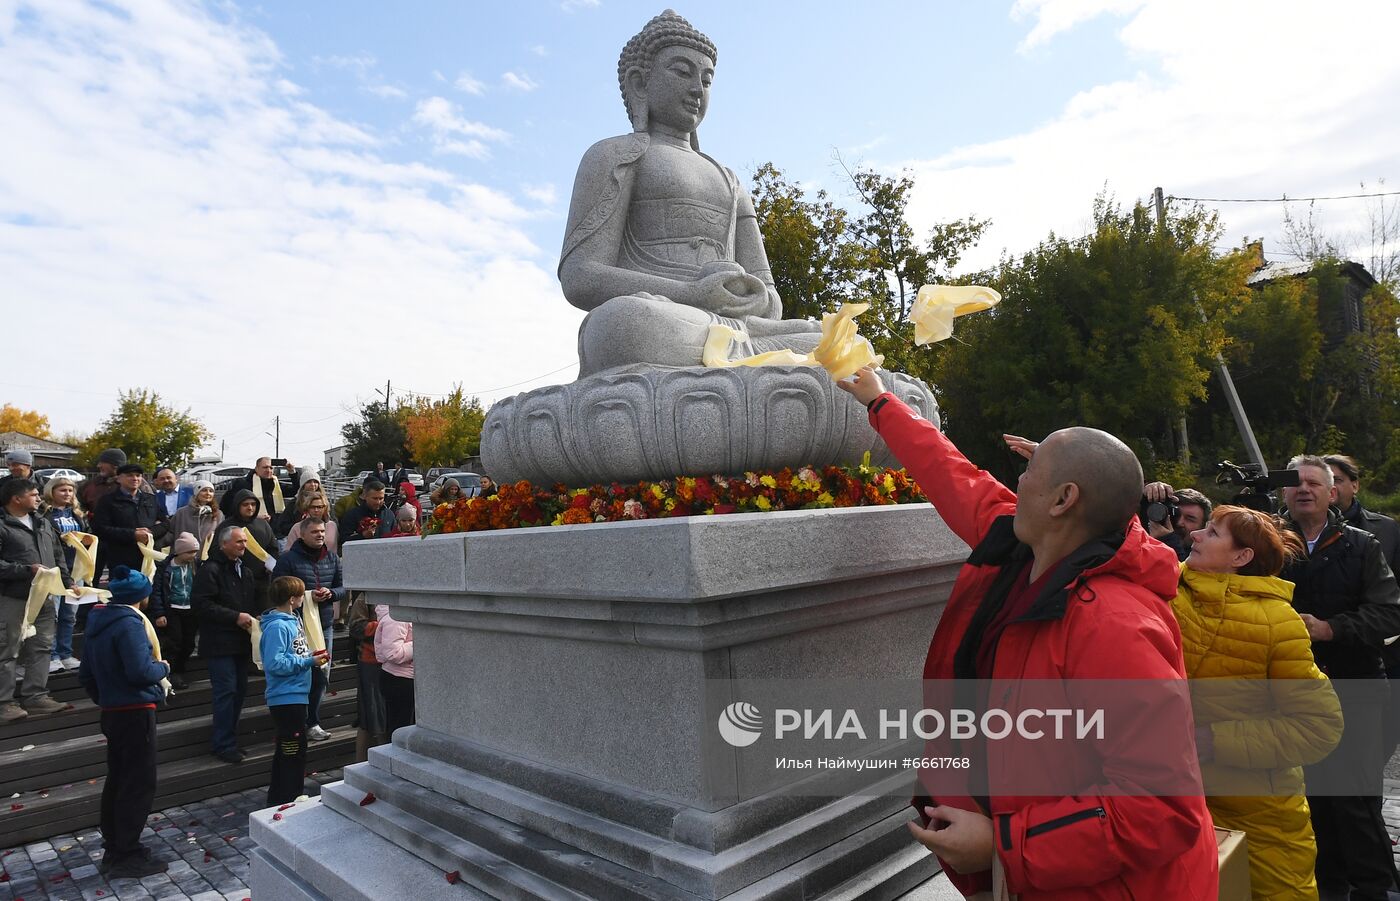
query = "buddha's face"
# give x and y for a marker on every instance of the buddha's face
(678, 88)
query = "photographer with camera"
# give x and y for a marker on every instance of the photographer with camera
(1349, 601)
(1171, 514)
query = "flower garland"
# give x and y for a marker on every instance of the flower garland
(521, 504)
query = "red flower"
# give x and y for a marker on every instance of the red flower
(368, 799)
(454, 877)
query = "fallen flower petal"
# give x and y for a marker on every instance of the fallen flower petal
(368, 799)
(454, 877)
(277, 816)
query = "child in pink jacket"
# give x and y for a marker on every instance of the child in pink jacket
(393, 645)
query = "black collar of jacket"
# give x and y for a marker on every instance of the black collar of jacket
(1335, 529)
(18, 523)
(1001, 548)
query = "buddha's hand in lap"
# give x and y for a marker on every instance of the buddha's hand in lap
(761, 327)
(728, 292)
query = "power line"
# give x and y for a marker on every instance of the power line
(479, 391)
(1282, 199)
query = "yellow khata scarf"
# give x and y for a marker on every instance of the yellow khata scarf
(311, 621)
(276, 503)
(253, 547)
(208, 540)
(155, 645)
(149, 558)
(255, 630)
(49, 582)
(85, 558)
(841, 350)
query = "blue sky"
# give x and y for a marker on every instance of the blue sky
(290, 203)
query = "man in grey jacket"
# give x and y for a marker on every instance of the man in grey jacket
(28, 543)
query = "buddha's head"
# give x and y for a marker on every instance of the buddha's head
(664, 73)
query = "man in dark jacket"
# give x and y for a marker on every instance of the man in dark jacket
(122, 676)
(105, 482)
(247, 513)
(123, 519)
(263, 484)
(370, 507)
(28, 543)
(1347, 473)
(225, 602)
(316, 565)
(20, 465)
(1349, 601)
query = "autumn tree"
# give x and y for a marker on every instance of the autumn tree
(823, 255)
(150, 431)
(378, 436)
(1116, 330)
(27, 422)
(444, 432)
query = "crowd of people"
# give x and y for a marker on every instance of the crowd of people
(1281, 624)
(258, 562)
(1298, 612)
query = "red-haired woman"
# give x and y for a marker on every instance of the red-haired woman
(1277, 711)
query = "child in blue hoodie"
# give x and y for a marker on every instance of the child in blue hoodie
(121, 674)
(287, 661)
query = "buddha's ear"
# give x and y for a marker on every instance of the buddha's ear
(636, 81)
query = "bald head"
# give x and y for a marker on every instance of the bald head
(1080, 480)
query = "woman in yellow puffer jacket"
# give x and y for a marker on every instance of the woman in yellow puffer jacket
(1263, 708)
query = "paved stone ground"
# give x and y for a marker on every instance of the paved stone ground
(206, 845)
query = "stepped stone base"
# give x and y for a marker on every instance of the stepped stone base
(656, 422)
(569, 682)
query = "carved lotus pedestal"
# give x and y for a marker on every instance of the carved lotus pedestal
(650, 422)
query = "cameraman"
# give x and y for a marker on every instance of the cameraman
(1186, 510)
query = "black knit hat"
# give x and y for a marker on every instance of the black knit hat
(113, 455)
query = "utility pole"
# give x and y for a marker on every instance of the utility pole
(1232, 396)
(276, 436)
(388, 395)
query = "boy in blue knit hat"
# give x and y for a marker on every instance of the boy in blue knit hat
(122, 676)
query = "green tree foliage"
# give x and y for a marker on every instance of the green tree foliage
(823, 255)
(444, 432)
(149, 431)
(1106, 330)
(378, 436)
(1309, 382)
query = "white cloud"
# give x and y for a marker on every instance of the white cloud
(545, 195)
(454, 134)
(569, 6)
(387, 91)
(469, 85)
(1053, 17)
(518, 81)
(540, 50)
(172, 183)
(1219, 109)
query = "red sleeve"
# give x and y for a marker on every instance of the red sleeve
(967, 498)
(1097, 835)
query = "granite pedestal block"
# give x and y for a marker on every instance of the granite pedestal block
(569, 682)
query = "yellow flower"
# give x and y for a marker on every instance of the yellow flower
(826, 499)
(889, 483)
(670, 503)
(656, 490)
(768, 481)
(762, 502)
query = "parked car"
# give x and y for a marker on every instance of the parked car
(43, 475)
(415, 478)
(470, 482)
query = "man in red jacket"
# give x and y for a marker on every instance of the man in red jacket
(1062, 585)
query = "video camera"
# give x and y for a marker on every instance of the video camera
(1256, 483)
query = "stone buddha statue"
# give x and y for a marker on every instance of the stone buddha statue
(661, 246)
(662, 241)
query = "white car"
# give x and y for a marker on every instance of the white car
(43, 475)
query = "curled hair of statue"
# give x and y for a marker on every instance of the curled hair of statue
(666, 30)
